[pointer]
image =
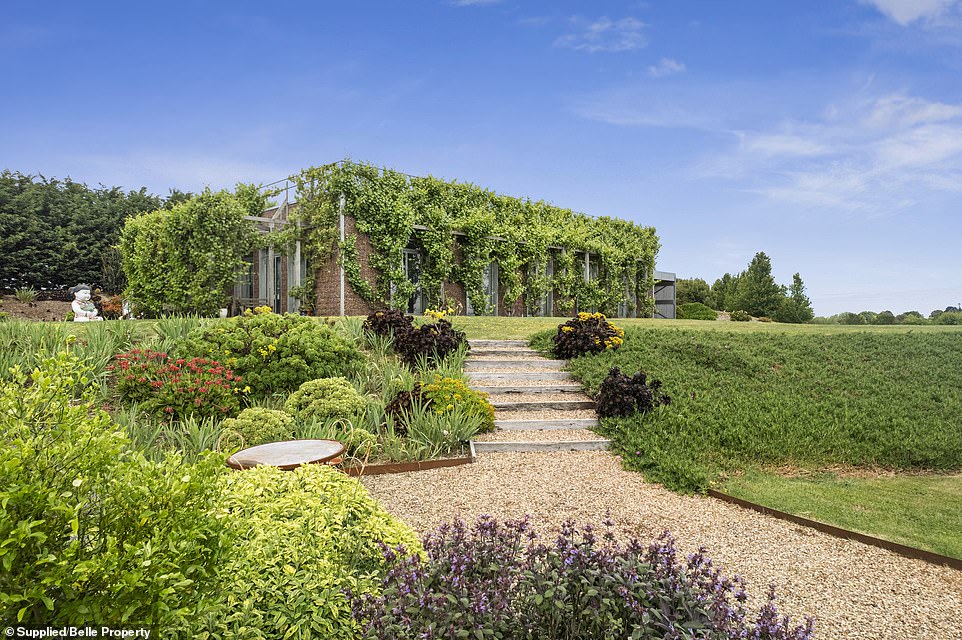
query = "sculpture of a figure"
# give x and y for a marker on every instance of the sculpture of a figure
(83, 309)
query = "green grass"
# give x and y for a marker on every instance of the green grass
(784, 396)
(919, 511)
(502, 328)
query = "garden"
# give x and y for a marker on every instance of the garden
(119, 509)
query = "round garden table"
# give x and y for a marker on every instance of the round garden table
(286, 455)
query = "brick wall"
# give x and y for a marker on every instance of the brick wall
(328, 279)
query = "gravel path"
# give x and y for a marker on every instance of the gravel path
(854, 591)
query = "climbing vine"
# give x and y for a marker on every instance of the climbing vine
(461, 228)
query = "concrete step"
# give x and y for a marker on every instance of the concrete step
(498, 344)
(481, 376)
(546, 425)
(573, 445)
(545, 388)
(480, 352)
(548, 365)
(541, 406)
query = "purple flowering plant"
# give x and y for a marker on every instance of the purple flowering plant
(494, 580)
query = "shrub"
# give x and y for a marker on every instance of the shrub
(740, 316)
(586, 333)
(430, 343)
(390, 322)
(949, 317)
(448, 395)
(499, 579)
(620, 396)
(325, 398)
(695, 311)
(91, 531)
(274, 352)
(176, 389)
(258, 425)
(301, 538)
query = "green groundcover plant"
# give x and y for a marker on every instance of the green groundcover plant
(274, 353)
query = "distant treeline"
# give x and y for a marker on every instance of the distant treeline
(949, 315)
(57, 233)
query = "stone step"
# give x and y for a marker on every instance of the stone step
(571, 445)
(548, 365)
(481, 376)
(546, 425)
(503, 352)
(545, 388)
(540, 406)
(498, 344)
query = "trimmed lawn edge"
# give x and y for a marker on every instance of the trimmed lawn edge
(838, 532)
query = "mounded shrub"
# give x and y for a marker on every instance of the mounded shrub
(431, 341)
(740, 316)
(274, 352)
(300, 538)
(388, 322)
(258, 425)
(620, 396)
(695, 311)
(452, 394)
(323, 399)
(500, 579)
(175, 389)
(91, 531)
(586, 333)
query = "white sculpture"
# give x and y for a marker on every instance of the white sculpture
(83, 309)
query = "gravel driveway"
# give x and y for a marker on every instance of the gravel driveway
(854, 590)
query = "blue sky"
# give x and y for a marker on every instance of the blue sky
(826, 133)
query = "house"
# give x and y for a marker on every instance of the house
(361, 238)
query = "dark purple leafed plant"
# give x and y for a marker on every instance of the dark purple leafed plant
(496, 580)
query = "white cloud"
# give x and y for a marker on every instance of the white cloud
(473, 3)
(605, 35)
(874, 156)
(666, 67)
(905, 12)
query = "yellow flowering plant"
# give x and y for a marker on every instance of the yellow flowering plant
(448, 395)
(586, 333)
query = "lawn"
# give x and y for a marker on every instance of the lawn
(923, 511)
(762, 397)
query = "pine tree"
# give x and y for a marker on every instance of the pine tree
(796, 308)
(757, 292)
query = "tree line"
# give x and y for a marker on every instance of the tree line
(753, 291)
(57, 233)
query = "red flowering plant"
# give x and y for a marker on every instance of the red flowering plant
(175, 389)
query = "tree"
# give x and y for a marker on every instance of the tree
(796, 308)
(757, 292)
(55, 234)
(183, 260)
(723, 292)
(885, 317)
(693, 290)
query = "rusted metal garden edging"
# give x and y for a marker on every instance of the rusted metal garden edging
(894, 547)
(405, 467)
